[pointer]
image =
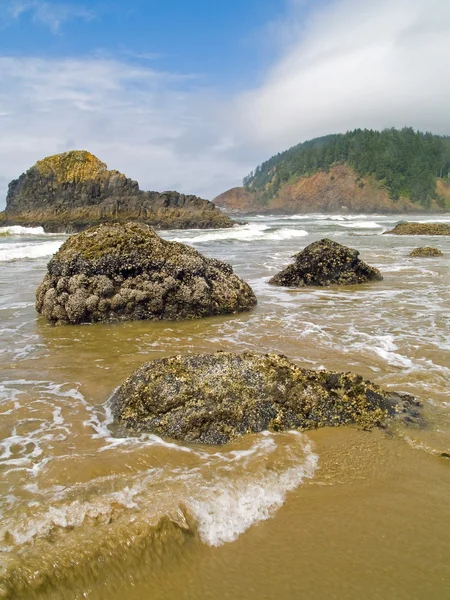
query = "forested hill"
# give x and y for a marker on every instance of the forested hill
(405, 163)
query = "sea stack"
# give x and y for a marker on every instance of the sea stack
(117, 272)
(324, 263)
(72, 191)
(214, 398)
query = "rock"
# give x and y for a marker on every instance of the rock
(407, 228)
(426, 251)
(116, 272)
(72, 191)
(325, 263)
(214, 398)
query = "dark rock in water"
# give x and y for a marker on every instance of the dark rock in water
(407, 228)
(72, 191)
(426, 251)
(213, 398)
(325, 263)
(116, 272)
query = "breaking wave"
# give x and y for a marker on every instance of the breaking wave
(245, 233)
(21, 251)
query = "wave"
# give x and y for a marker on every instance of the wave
(361, 225)
(245, 233)
(12, 252)
(228, 509)
(19, 230)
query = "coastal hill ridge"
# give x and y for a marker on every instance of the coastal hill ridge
(362, 171)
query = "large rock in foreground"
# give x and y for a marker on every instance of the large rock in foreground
(72, 191)
(213, 398)
(407, 228)
(325, 263)
(120, 272)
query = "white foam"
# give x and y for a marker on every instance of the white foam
(245, 233)
(228, 509)
(10, 252)
(362, 225)
(286, 234)
(18, 230)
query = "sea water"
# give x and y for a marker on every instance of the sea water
(337, 513)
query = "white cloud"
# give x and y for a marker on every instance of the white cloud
(354, 64)
(154, 126)
(51, 14)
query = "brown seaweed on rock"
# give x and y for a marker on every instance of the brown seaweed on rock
(426, 252)
(116, 272)
(214, 398)
(407, 228)
(325, 263)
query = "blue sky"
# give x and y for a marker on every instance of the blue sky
(222, 42)
(192, 95)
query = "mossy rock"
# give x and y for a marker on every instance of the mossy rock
(426, 252)
(324, 263)
(73, 191)
(407, 228)
(116, 272)
(214, 398)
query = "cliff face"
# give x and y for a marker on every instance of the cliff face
(340, 189)
(71, 191)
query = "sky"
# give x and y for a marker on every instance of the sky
(192, 95)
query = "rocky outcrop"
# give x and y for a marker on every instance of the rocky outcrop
(325, 263)
(214, 398)
(407, 228)
(426, 252)
(116, 272)
(338, 190)
(72, 191)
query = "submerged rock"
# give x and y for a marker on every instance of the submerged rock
(213, 398)
(426, 251)
(116, 272)
(325, 263)
(75, 190)
(406, 228)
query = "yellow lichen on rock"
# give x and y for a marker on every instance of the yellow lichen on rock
(73, 166)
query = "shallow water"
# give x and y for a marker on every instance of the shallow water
(337, 513)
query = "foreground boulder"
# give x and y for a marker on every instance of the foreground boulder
(426, 251)
(120, 272)
(72, 191)
(407, 228)
(325, 263)
(214, 398)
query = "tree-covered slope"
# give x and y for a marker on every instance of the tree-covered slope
(405, 163)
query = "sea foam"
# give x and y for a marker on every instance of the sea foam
(23, 251)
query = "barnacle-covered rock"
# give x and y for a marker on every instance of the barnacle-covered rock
(426, 252)
(116, 272)
(408, 228)
(214, 398)
(325, 263)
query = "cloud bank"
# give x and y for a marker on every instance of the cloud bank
(351, 64)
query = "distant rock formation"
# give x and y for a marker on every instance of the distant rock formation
(407, 228)
(115, 272)
(325, 263)
(72, 191)
(214, 398)
(426, 252)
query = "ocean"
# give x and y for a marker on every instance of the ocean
(330, 514)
